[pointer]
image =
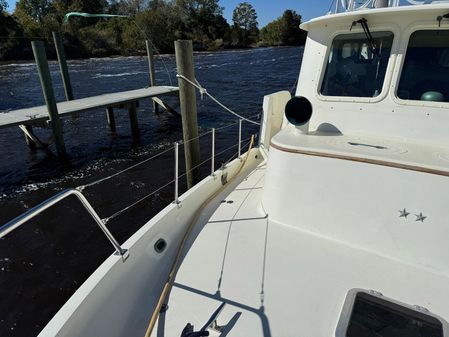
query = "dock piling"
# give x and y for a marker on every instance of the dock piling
(187, 99)
(59, 46)
(150, 56)
(133, 119)
(47, 89)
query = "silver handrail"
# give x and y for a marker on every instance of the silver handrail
(354, 5)
(33, 212)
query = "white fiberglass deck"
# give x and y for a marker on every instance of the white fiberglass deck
(278, 280)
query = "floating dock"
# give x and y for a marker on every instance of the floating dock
(52, 112)
(28, 116)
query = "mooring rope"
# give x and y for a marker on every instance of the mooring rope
(203, 91)
(171, 275)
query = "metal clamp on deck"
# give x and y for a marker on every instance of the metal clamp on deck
(33, 212)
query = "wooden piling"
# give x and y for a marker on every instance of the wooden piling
(111, 118)
(59, 46)
(187, 99)
(47, 89)
(150, 55)
(133, 119)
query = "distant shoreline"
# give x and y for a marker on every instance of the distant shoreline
(52, 57)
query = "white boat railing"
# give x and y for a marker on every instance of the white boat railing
(40, 208)
(354, 5)
(35, 211)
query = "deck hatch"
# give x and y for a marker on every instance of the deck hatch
(367, 314)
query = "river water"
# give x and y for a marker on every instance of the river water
(45, 261)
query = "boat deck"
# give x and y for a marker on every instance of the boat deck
(278, 280)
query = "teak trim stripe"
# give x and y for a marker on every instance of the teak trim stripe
(363, 160)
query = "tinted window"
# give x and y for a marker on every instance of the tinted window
(375, 317)
(353, 68)
(425, 74)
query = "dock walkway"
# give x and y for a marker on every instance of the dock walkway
(30, 115)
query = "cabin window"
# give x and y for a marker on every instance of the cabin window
(354, 69)
(373, 316)
(425, 74)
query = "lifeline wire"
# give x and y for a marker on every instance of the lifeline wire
(116, 214)
(182, 142)
(203, 91)
(82, 187)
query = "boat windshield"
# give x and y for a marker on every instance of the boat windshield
(425, 74)
(353, 70)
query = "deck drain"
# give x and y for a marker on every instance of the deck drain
(160, 245)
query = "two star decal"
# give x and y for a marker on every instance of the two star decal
(404, 214)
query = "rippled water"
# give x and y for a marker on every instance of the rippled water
(44, 262)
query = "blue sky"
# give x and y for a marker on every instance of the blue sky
(267, 10)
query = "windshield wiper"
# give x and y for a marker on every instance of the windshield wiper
(441, 17)
(364, 23)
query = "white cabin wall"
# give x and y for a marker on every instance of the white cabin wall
(385, 115)
(358, 203)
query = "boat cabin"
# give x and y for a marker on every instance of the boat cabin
(381, 72)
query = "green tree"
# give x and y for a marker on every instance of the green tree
(245, 28)
(3, 5)
(293, 35)
(283, 31)
(89, 6)
(30, 14)
(202, 21)
(272, 34)
(35, 9)
(132, 7)
(12, 44)
(148, 25)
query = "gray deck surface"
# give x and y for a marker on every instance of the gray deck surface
(34, 114)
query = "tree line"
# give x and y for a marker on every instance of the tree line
(161, 21)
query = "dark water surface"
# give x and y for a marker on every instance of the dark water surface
(45, 261)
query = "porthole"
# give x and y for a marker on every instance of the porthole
(160, 246)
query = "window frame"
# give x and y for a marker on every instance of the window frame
(345, 315)
(400, 62)
(388, 73)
